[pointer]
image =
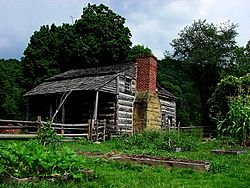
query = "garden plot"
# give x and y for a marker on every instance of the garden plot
(153, 161)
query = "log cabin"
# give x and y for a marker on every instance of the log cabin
(126, 95)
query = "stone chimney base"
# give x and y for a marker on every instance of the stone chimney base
(147, 111)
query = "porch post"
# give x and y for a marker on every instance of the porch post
(63, 118)
(50, 109)
(94, 123)
(63, 113)
(96, 105)
(28, 111)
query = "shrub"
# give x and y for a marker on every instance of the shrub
(47, 135)
(34, 159)
(158, 140)
(237, 121)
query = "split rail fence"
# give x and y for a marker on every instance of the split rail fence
(16, 129)
(97, 131)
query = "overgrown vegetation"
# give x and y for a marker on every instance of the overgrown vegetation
(47, 135)
(159, 141)
(233, 170)
(34, 159)
(42, 157)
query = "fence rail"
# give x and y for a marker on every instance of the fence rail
(29, 129)
(99, 130)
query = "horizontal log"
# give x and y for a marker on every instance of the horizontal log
(68, 125)
(124, 109)
(17, 121)
(73, 135)
(63, 128)
(125, 115)
(107, 115)
(16, 127)
(126, 97)
(125, 121)
(125, 103)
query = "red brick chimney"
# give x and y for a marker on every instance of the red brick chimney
(146, 73)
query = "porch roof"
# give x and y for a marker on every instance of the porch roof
(76, 84)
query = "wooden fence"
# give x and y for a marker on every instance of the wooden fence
(16, 129)
(205, 131)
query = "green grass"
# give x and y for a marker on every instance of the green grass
(226, 171)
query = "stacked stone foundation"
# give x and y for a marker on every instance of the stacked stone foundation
(147, 111)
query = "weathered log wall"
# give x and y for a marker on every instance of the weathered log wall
(125, 102)
(168, 111)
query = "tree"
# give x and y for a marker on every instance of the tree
(241, 65)
(10, 91)
(138, 50)
(99, 37)
(176, 77)
(208, 49)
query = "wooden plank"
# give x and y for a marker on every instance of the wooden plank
(16, 127)
(68, 125)
(17, 136)
(73, 135)
(124, 109)
(17, 121)
(168, 163)
(107, 115)
(125, 103)
(63, 128)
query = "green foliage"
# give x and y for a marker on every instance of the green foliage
(47, 135)
(138, 50)
(176, 77)
(209, 49)
(99, 37)
(233, 170)
(158, 140)
(228, 88)
(241, 66)
(10, 89)
(218, 167)
(237, 121)
(34, 159)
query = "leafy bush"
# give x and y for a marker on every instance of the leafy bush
(237, 121)
(34, 159)
(47, 135)
(158, 140)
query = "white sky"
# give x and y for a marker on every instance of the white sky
(153, 23)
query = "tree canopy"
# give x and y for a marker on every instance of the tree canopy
(209, 49)
(176, 77)
(10, 89)
(98, 37)
(138, 50)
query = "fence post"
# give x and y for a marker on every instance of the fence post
(178, 127)
(39, 123)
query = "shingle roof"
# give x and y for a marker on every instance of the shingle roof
(165, 93)
(82, 79)
(127, 68)
(76, 84)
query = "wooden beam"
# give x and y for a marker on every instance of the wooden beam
(63, 114)
(28, 111)
(96, 105)
(64, 97)
(51, 109)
